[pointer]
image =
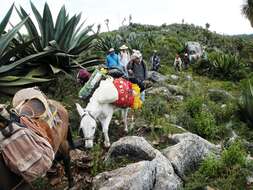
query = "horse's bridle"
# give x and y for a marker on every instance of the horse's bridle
(87, 112)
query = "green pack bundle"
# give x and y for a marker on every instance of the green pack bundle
(92, 83)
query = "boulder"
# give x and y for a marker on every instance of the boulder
(174, 89)
(188, 77)
(159, 91)
(136, 176)
(178, 98)
(188, 152)
(133, 146)
(158, 172)
(219, 95)
(165, 176)
(156, 77)
(174, 77)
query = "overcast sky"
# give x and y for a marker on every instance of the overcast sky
(224, 16)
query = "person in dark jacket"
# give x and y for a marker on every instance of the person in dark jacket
(155, 61)
(137, 69)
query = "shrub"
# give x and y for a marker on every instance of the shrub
(222, 66)
(194, 105)
(154, 107)
(204, 124)
(228, 172)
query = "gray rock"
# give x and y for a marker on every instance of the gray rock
(188, 77)
(189, 151)
(156, 77)
(178, 98)
(174, 89)
(174, 77)
(219, 95)
(134, 146)
(137, 176)
(163, 175)
(159, 91)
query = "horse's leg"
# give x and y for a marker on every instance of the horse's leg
(23, 186)
(105, 125)
(124, 117)
(64, 151)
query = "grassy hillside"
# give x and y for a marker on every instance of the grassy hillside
(213, 118)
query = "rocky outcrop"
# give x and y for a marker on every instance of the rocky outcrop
(219, 95)
(188, 152)
(174, 89)
(158, 169)
(156, 77)
(162, 91)
(137, 176)
(136, 147)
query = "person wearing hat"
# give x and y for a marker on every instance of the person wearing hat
(137, 70)
(155, 61)
(124, 57)
(112, 60)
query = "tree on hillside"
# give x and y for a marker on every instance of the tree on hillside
(247, 10)
(107, 24)
(207, 25)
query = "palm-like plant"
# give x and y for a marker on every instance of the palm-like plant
(247, 10)
(52, 48)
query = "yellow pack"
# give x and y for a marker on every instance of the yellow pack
(137, 97)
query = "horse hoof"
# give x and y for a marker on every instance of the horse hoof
(126, 130)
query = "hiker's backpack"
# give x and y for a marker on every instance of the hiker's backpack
(26, 153)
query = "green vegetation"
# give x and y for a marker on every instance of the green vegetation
(41, 54)
(228, 172)
(222, 66)
(53, 50)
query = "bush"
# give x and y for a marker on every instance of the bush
(222, 66)
(204, 125)
(154, 107)
(194, 105)
(228, 172)
(222, 113)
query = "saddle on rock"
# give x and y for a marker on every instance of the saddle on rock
(29, 151)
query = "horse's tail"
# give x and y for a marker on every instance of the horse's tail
(70, 139)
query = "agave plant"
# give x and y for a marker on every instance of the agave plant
(9, 49)
(226, 66)
(52, 48)
(246, 104)
(104, 43)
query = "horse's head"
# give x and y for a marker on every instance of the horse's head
(87, 127)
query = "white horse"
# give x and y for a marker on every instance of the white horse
(95, 113)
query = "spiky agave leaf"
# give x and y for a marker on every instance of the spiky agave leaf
(6, 38)
(246, 103)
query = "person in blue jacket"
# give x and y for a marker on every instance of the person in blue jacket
(113, 60)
